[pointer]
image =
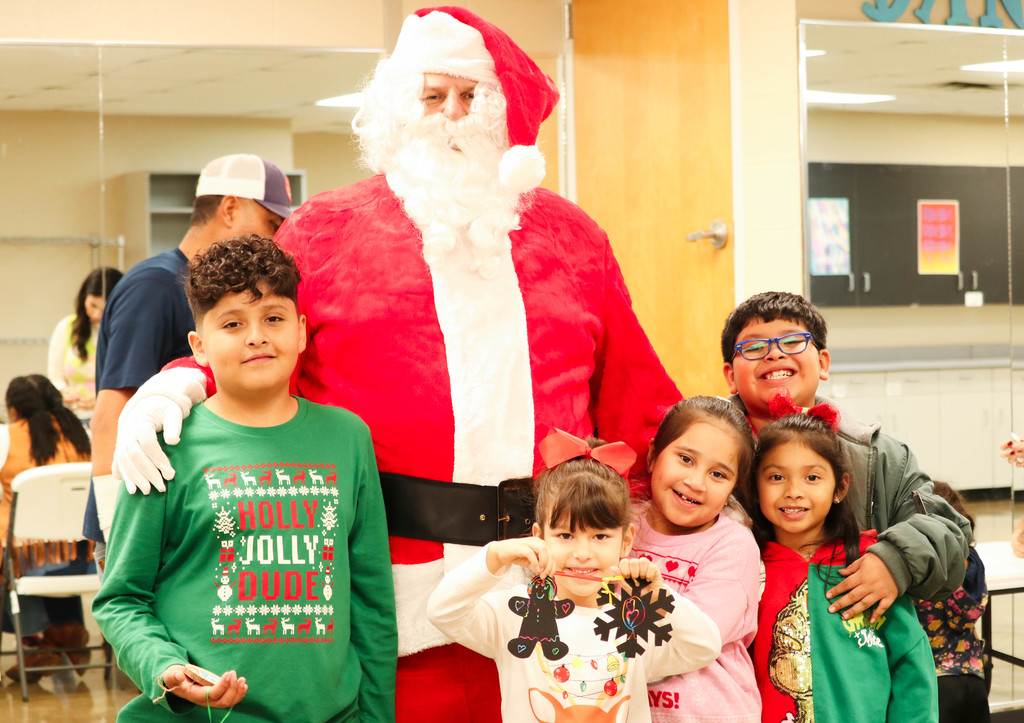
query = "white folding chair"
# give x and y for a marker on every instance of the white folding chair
(48, 505)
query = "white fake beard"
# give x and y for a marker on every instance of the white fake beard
(446, 174)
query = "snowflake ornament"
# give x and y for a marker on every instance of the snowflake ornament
(635, 616)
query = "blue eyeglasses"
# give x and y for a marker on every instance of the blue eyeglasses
(754, 349)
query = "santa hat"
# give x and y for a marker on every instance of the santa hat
(453, 41)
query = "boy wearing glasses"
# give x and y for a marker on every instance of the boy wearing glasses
(774, 343)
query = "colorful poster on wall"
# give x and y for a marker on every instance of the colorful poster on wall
(938, 237)
(829, 223)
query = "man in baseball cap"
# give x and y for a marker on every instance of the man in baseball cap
(244, 175)
(147, 321)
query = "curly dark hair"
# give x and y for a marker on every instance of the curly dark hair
(814, 433)
(583, 493)
(252, 264)
(35, 400)
(769, 306)
(99, 282)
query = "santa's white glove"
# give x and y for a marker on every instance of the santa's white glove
(159, 404)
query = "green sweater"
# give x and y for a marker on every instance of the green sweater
(268, 555)
(812, 665)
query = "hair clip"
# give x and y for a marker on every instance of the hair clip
(561, 446)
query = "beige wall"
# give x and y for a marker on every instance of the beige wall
(330, 160)
(299, 23)
(766, 129)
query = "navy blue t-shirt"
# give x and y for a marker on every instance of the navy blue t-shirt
(145, 325)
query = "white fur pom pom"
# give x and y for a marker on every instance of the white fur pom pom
(521, 168)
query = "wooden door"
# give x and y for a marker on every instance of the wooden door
(654, 163)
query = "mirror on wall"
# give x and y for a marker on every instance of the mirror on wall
(914, 191)
(100, 147)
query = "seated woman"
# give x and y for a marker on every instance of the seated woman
(43, 431)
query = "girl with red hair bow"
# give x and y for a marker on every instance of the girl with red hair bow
(546, 638)
(811, 664)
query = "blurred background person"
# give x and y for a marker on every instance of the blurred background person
(71, 362)
(956, 647)
(43, 431)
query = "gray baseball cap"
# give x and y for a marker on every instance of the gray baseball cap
(247, 176)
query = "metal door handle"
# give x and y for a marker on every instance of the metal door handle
(853, 283)
(974, 281)
(867, 282)
(718, 233)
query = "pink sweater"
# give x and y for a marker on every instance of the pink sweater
(717, 570)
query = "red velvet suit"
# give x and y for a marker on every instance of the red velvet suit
(376, 347)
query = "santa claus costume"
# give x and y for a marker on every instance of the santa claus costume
(463, 328)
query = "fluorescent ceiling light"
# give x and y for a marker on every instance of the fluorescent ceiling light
(824, 97)
(999, 66)
(813, 53)
(352, 100)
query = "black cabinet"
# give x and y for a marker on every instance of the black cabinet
(883, 226)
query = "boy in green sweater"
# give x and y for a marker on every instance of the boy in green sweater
(270, 558)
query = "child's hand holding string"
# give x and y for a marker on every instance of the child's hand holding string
(529, 552)
(868, 581)
(227, 692)
(639, 568)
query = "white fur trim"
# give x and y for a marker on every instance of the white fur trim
(413, 586)
(483, 322)
(521, 168)
(438, 43)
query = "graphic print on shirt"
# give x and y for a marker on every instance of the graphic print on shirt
(540, 613)
(864, 632)
(677, 571)
(789, 662)
(276, 525)
(581, 687)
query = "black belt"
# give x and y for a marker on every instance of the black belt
(465, 514)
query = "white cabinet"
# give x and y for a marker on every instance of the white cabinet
(952, 419)
(967, 453)
(912, 413)
(860, 394)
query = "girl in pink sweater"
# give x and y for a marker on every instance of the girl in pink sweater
(703, 446)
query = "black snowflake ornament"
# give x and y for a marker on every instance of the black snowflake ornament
(634, 617)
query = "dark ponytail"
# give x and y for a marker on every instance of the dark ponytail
(35, 400)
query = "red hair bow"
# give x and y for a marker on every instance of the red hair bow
(782, 405)
(561, 446)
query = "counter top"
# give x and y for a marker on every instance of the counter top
(938, 357)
